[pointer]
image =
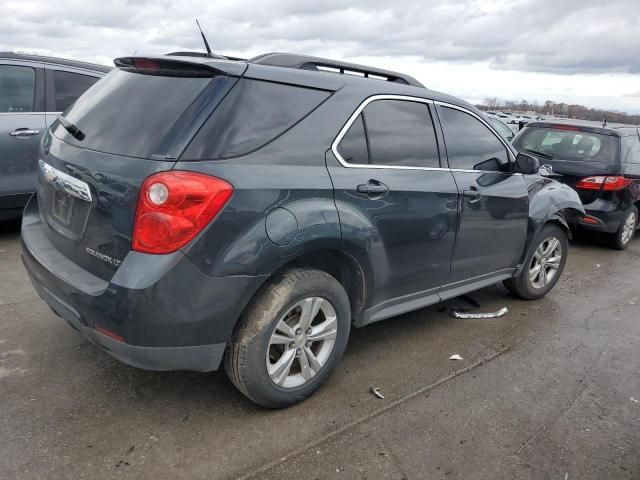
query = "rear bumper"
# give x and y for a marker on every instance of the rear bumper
(201, 358)
(157, 312)
(601, 216)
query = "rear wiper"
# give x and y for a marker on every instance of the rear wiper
(542, 154)
(71, 128)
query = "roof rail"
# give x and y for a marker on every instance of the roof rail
(306, 62)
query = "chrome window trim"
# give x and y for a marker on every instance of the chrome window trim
(373, 98)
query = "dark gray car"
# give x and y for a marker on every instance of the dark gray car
(192, 212)
(33, 91)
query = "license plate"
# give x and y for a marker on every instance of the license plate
(62, 207)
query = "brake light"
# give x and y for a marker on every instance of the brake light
(566, 127)
(145, 64)
(173, 207)
(609, 184)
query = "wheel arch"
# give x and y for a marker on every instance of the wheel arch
(559, 215)
(343, 267)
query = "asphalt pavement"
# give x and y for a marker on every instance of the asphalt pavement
(549, 391)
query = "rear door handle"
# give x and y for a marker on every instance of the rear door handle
(373, 188)
(24, 132)
(472, 194)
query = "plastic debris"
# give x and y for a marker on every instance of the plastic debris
(499, 313)
(377, 392)
(634, 400)
(455, 356)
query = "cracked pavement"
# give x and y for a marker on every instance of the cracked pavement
(551, 390)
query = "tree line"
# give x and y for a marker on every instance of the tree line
(560, 109)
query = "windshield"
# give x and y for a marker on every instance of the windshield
(568, 144)
(131, 114)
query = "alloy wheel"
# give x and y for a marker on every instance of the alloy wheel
(629, 228)
(545, 263)
(302, 342)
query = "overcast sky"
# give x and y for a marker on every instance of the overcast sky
(574, 51)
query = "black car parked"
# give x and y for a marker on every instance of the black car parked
(191, 210)
(601, 163)
(33, 91)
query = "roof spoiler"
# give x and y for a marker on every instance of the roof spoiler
(181, 66)
(306, 62)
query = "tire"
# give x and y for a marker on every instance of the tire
(269, 332)
(622, 238)
(530, 287)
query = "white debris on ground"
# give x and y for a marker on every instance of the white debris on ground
(457, 314)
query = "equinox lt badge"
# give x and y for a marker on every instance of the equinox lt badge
(103, 257)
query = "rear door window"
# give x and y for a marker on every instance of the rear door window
(68, 87)
(471, 145)
(353, 146)
(401, 133)
(253, 114)
(17, 88)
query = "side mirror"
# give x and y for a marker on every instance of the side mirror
(527, 164)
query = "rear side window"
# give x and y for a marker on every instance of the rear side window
(401, 133)
(68, 87)
(470, 144)
(17, 88)
(353, 146)
(253, 114)
(131, 114)
(569, 144)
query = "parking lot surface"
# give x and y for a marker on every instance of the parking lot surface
(549, 391)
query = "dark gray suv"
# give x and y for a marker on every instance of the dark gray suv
(33, 91)
(198, 211)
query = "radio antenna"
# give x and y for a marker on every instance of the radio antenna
(204, 39)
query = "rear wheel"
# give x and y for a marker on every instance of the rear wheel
(290, 338)
(622, 238)
(543, 265)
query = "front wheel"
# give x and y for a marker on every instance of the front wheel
(290, 338)
(543, 265)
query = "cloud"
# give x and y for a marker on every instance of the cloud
(564, 38)
(572, 36)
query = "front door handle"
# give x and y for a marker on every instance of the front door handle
(24, 132)
(373, 188)
(472, 195)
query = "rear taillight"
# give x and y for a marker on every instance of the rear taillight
(173, 207)
(603, 183)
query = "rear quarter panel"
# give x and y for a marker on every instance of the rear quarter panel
(289, 173)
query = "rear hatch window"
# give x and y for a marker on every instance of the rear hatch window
(569, 144)
(142, 115)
